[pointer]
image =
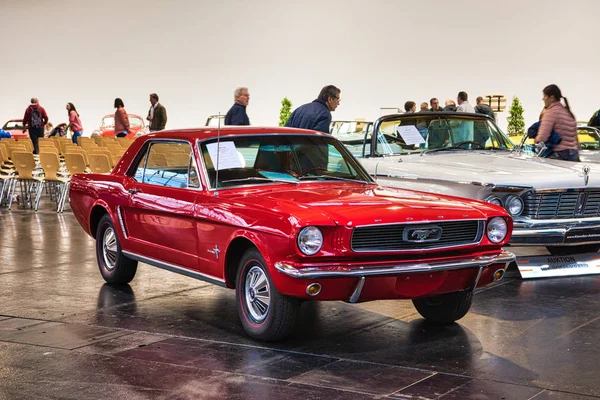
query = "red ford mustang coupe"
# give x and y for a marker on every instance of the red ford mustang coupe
(285, 215)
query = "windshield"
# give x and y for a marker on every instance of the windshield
(259, 160)
(134, 121)
(417, 133)
(589, 138)
(13, 125)
(350, 127)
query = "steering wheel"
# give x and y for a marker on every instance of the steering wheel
(470, 142)
(306, 171)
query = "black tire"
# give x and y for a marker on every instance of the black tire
(114, 266)
(445, 308)
(571, 250)
(277, 319)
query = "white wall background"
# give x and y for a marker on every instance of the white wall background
(193, 53)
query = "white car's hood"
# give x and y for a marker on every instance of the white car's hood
(494, 168)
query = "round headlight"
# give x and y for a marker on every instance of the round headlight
(494, 200)
(310, 240)
(514, 205)
(497, 229)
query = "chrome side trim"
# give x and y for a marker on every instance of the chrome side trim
(121, 222)
(360, 271)
(357, 290)
(175, 268)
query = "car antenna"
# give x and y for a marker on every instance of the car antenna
(218, 151)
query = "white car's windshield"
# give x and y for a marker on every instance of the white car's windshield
(425, 132)
(264, 159)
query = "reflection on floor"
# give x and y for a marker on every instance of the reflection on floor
(65, 334)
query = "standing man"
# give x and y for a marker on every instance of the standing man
(482, 108)
(465, 131)
(157, 115)
(237, 113)
(463, 103)
(35, 119)
(435, 105)
(317, 114)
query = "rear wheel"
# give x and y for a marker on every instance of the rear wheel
(445, 308)
(114, 266)
(572, 250)
(265, 313)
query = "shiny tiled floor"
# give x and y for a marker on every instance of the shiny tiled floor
(64, 334)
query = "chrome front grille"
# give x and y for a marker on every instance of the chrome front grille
(557, 205)
(394, 237)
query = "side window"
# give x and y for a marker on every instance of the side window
(168, 164)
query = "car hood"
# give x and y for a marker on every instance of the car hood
(490, 168)
(357, 204)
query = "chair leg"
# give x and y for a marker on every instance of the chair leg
(40, 189)
(11, 192)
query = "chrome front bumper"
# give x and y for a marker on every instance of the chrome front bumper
(556, 232)
(504, 257)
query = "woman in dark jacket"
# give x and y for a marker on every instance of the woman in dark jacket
(121, 119)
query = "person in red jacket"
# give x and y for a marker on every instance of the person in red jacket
(34, 120)
(121, 119)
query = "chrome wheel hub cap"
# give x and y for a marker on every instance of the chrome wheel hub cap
(257, 293)
(109, 249)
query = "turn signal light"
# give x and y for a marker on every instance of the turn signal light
(498, 275)
(313, 289)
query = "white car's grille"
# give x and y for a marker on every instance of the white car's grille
(557, 205)
(425, 236)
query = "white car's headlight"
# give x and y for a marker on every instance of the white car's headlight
(310, 240)
(494, 200)
(514, 205)
(497, 229)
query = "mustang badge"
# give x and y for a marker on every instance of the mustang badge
(586, 174)
(422, 234)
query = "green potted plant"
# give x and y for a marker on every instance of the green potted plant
(516, 122)
(285, 112)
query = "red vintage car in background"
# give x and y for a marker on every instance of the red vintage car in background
(284, 215)
(107, 126)
(15, 128)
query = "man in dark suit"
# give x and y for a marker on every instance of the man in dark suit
(317, 114)
(157, 115)
(237, 113)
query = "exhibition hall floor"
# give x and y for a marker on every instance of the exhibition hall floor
(64, 334)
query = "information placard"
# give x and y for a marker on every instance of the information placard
(410, 134)
(227, 155)
(549, 266)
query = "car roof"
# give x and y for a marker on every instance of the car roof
(228, 131)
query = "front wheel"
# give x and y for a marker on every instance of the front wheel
(572, 250)
(265, 313)
(114, 266)
(445, 308)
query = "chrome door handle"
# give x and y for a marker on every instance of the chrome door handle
(134, 190)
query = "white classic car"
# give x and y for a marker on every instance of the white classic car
(553, 203)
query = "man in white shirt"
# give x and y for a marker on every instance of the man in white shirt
(464, 132)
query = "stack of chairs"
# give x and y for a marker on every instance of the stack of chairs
(58, 159)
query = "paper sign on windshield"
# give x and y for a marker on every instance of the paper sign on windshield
(227, 155)
(410, 134)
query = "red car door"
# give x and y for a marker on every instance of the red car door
(159, 218)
